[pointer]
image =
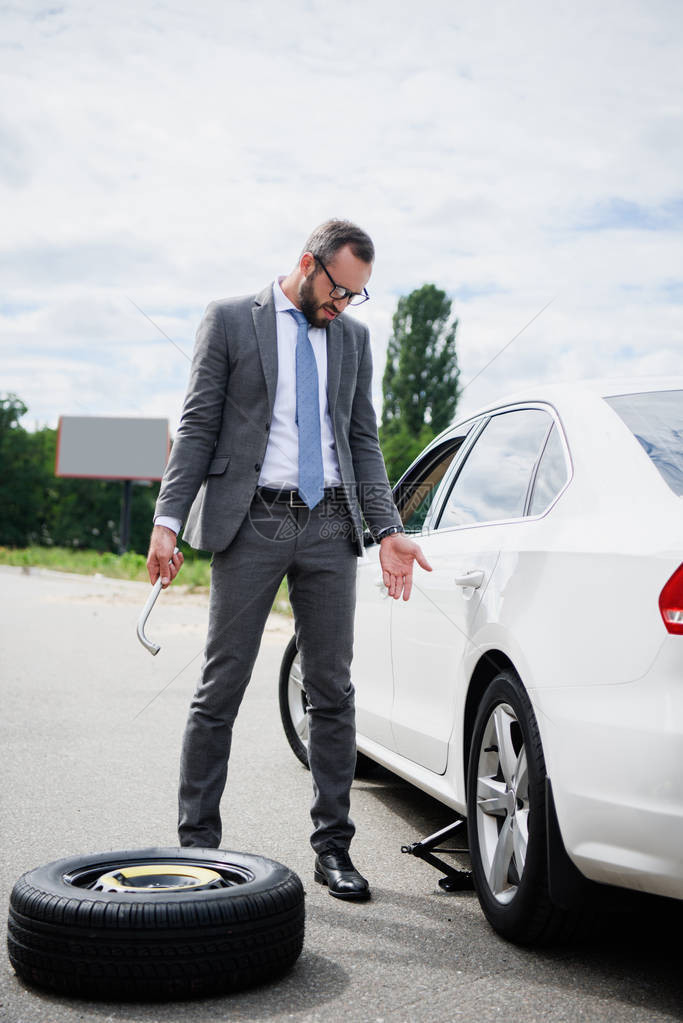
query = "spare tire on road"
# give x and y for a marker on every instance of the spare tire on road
(155, 923)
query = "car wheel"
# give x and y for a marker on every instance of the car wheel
(506, 816)
(155, 923)
(294, 710)
(294, 703)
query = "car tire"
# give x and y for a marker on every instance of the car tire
(294, 711)
(155, 923)
(506, 817)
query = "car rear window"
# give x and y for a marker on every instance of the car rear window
(656, 420)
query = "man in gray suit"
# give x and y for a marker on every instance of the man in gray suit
(274, 463)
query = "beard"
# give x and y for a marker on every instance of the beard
(312, 309)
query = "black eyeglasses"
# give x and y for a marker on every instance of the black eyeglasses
(354, 297)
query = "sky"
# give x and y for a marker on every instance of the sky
(156, 157)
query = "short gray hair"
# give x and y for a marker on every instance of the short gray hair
(333, 235)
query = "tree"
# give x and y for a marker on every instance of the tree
(22, 476)
(12, 409)
(420, 384)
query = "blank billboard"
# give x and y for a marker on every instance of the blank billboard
(112, 447)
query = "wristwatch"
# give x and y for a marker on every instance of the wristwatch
(389, 531)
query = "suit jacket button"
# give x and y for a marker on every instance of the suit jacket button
(267, 426)
(257, 466)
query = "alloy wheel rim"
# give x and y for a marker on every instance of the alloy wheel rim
(503, 803)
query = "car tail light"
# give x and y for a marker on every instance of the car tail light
(671, 602)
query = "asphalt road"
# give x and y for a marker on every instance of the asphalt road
(90, 764)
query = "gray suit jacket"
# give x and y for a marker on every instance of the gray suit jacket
(215, 462)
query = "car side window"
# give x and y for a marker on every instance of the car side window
(415, 511)
(493, 482)
(415, 493)
(551, 475)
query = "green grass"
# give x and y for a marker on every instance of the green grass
(64, 559)
(194, 575)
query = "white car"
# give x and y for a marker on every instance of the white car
(534, 680)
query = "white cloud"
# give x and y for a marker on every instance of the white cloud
(171, 155)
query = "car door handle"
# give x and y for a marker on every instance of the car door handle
(473, 579)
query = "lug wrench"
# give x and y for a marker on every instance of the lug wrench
(149, 644)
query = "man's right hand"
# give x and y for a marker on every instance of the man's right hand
(161, 561)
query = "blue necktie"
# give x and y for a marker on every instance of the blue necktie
(311, 478)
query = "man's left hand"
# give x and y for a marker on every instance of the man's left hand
(397, 554)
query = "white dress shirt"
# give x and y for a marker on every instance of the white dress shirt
(280, 466)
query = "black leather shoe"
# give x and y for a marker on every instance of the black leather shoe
(335, 869)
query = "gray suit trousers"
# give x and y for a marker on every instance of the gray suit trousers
(316, 551)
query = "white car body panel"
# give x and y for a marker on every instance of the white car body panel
(373, 622)
(626, 785)
(431, 631)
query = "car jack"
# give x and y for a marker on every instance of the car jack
(455, 880)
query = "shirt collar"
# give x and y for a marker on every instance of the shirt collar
(282, 303)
